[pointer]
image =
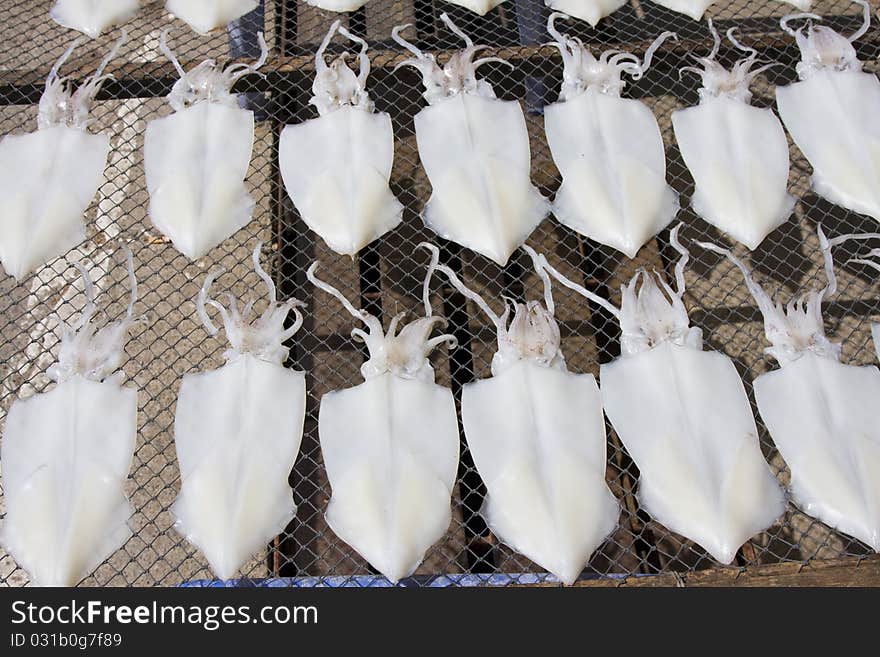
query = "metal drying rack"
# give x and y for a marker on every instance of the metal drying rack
(387, 275)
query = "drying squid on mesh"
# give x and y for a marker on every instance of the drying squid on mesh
(591, 11)
(683, 416)
(206, 15)
(608, 149)
(537, 437)
(737, 153)
(481, 7)
(336, 167)
(693, 8)
(196, 159)
(92, 17)
(475, 150)
(390, 444)
(803, 5)
(237, 432)
(339, 6)
(832, 115)
(66, 453)
(49, 177)
(821, 413)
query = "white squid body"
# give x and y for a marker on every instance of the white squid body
(66, 455)
(237, 431)
(737, 154)
(475, 150)
(339, 6)
(49, 177)
(608, 149)
(196, 159)
(821, 413)
(537, 437)
(92, 17)
(832, 115)
(336, 167)
(591, 11)
(481, 7)
(696, 8)
(206, 15)
(390, 446)
(693, 8)
(683, 416)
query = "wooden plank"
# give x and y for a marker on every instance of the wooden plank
(833, 572)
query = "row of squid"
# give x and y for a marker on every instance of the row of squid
(92, 16)
(473, 146)
(390, 445)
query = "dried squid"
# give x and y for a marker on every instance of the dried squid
(206, 15)
(66, 453)
(475, 150)
(92, 17)
(591, 11)
(832, 115)
(49, 177)
(608, 149)
(339, 6)
(537, 437)
(197, 158)
(821, 413)
(237, 431)
(683, 416)
(693, 8)
(481, 7)
(390, 444)
(737, 153)
(336, 167)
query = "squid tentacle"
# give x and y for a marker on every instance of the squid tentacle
(95, 355)
(719, 81)
(426, 284)
(579, 289)
(399, 40)
(336, 85)
(784, 21)
(263, 336)
(237, 71)
(363, 59)
(457, 76)
(538, 264)
(169, 54)
(362, 315)
(797, 327)
(202, 299)
(207, 81)
(469, 43)
(682, 261)
(405, 352)
(86, 94)
(828, 244)
(651, 51)
(866, 21)
(497, 320)
(264, 276)
(56, 67)
(90, 308)
(582, 70)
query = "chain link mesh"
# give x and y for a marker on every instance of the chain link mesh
(387, 275)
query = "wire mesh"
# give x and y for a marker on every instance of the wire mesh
(386, 277)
